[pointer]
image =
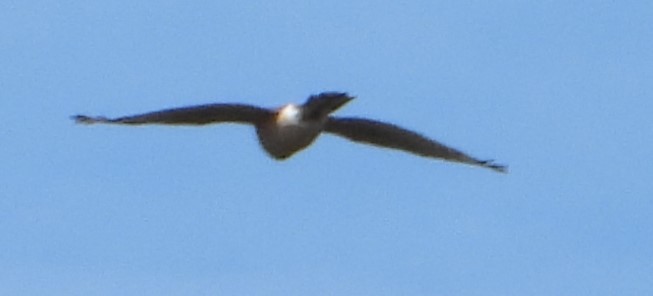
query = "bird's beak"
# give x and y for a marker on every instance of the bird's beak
(319, 106)
(337, 102)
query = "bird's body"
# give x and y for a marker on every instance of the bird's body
(285, 131)
(288, 133)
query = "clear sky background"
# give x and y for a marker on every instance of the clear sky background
(562, 91)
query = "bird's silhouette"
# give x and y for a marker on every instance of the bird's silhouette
(284, 131)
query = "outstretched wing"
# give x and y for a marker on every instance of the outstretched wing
(194, 115)
(392, 136)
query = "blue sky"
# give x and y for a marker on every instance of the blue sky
(559, 90)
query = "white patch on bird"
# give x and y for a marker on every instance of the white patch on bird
(289, 115)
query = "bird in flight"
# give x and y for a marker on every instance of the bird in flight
(285, 131)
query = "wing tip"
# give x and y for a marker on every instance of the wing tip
(500, 168)
(83, 119)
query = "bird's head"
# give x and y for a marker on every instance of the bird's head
(319, 106)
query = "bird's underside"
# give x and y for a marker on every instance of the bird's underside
(282, 140)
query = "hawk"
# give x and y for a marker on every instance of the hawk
(287, 130)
